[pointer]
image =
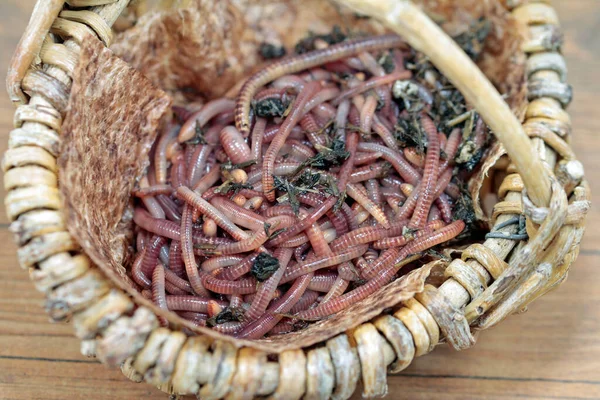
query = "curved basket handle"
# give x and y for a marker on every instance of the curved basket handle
(406, 19)
(43, 16)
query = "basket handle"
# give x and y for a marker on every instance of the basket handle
(406, 19)
(43, 16)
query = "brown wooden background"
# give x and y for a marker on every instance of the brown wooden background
(550, 352)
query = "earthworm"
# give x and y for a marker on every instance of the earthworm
(198, 319)
(278, 141)
(201, 117)
(309, 124)
(151, 203)
(291, 65)
(399, 241)
(414, 157)
(430, 174)
(219, 262)
(234, 145)
(371, 207)
(177, 281)
(267, 288)
(216, 285)
(323, 262)
(187, 251)
(158, 291)
(260, 327)
(154, 190)
(243, 267)
(322, 282)
(189, 303)
(451, 148)
(136, 271)
(199, 159)
(337, 289)
(256, 239)
(238, 215)
(151, 256)
(399, 163)
(306, 300)
(257, 138)
(366, 158)
(379, 281)
(160, 154)
(169, 207)
(367, 112)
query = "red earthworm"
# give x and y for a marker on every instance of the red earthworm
(322, 282)
(451, 148)
(414, 157)
(392, 193)
(202, 116)
(163, 255)
(256, 239)
(198, 165)
(241, 286)
(399, 163)
(306, 300)
(240, 269)
(300, 250)
(337, 289)
(228, 328)
(147, 294)
(299, 150)
(367, 112)
(291, 296)
(371, 64)
(281, 136)
(260, 327)
(151, 257)
(253, 203)
(198, 319)
(309, 124)
(452, 190)
(341, 119)
(158, 291)
(354, 116)
(248, 193)
(434, 214)
(249, 298)
(385, 133)
(443, 204)
(190, 303)
(283, 209)
(211, 212)
(281, 169)
(371, 255)
(344, 175)
(209, 227)
(294, 64)
(366, 158)
(282, 82)
(349, 216)
(407, 189)
(391, 181)
(358, 236)
(364, 201)
(372, 171)
(430, 174)
(136, 271)
(153, 190)
(271, 131)
(319, 99)
(257, 138)
(382, 279)
(169, 207)
(220, 154)
(399, 241)
(325, 261)
(151, 203)
(318, 74)
(443, 140)
(238, 215)
(284, 326)
(177, 281)
(234, 145)
(172, 289)
(317, 213)
(317, 240)
(183, 113)
(373, 191)
(141, 240)
(336, 218)
(187, 250)
(266, 289)
(213, 308)
(170, 229)
(323, 112)
(160, 153)
(178, 171)
(208, 180)
(218, 262)
(236, 301)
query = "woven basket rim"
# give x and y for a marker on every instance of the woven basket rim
(105, 319)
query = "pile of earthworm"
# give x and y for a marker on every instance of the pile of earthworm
(330, 171)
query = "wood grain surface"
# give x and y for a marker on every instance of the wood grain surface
(550, 352)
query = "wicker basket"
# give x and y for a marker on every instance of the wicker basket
(479, 289)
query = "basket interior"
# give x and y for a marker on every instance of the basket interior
(203, 49)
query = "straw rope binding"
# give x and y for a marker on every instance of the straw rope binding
(481, 288)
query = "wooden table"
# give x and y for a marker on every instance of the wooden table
(551, 351)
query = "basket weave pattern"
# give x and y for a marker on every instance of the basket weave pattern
(481, 289)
